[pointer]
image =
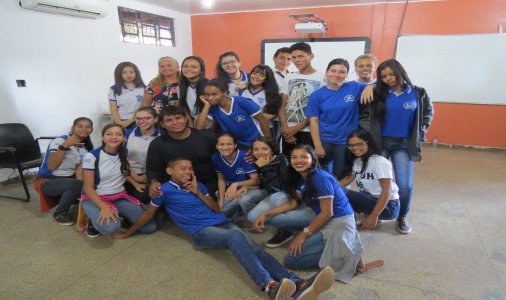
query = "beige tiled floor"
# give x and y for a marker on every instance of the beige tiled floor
(457, 249)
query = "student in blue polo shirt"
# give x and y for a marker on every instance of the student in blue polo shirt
(228, 69)
(233, 114)
(331, 239)
(137, 143)
(191, 208)
(333, 113)
(235, 176)
(126, 95)
(398, 120)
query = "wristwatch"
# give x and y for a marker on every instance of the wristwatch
(63, 148)
(307, 231)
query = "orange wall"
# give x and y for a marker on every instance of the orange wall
(463, 124)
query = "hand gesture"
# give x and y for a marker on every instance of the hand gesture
(140, 187)
(118, 235)
(192, 185)
(259, 223)
(230, 192)
(154, 189)
(262, 161)
(296, 245)
(369, 222)
(107, 215)
(204, 100)
(72, 140)
(240, 192)
(320, 151)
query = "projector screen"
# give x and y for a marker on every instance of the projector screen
(456, 68)
(324, 51)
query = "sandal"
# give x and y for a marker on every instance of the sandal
(371, 265)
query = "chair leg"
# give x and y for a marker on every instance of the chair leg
(25, 187)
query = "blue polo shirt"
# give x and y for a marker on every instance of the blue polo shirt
(400, 113)
(236, 171)
(239, 120)
(186, 209)
(327, 187)
(337, 111)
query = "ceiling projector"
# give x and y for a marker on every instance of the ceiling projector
(310, 27)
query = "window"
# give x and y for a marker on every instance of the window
(143, 28)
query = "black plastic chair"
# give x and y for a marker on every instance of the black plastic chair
(19, 150)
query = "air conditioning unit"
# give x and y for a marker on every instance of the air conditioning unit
(80, 8)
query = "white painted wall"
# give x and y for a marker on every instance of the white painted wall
(68, 64)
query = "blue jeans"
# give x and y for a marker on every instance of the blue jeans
(294, 220)
(396, 149)
(126, 209)
(363, 203)
(334, 160)
(67, 189)
(232, 208)
(260, 265)
(312, 250)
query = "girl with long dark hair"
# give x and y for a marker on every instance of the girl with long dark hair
(228, 68)
(377, 196)
(331, 239)
(126, 95)
(104, 197)
(397, 120)
(60, 175)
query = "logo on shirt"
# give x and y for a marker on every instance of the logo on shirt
(240, 171)
(349, 98)
(139, 98)
(410, 105)
(261, 100)
(239, 118)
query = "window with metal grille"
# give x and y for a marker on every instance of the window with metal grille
(144, 28)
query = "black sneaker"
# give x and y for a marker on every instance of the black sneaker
(279, 239)
(403, 225)
(311, 288)
(91, 232)
(63, 218)
(280, 290)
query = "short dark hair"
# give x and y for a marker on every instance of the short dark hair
(339, 61)
(171, 111)
(301, 46)
(172, 162)
(282, 50)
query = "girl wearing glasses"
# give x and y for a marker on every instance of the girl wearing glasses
(377, 196)
(228, 69)
(137, 143)
(398, 120)
(333, 113)
(126, 95)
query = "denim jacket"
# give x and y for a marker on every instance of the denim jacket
(423, 118)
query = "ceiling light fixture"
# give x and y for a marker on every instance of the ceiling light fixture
(208, 3)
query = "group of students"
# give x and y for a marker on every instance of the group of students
(162, 148)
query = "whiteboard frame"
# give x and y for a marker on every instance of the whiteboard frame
(478, 73)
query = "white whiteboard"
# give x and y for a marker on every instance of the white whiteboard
(457, 68)
(324, 51)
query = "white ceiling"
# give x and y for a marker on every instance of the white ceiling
(195, 7)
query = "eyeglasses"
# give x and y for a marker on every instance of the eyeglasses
(145, 119)
(356, 146)
(230, 62)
